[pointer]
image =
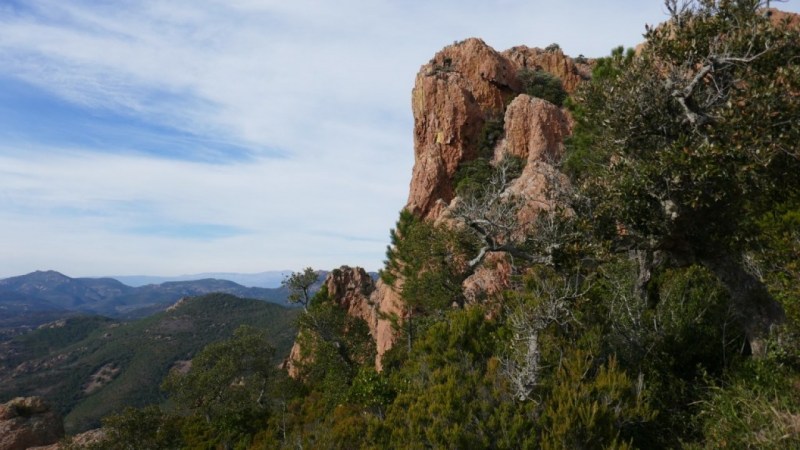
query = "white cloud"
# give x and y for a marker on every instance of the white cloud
(324, 84)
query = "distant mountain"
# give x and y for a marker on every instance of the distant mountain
(92, 366)
(52, 291)
(268, 279)
(63, 292)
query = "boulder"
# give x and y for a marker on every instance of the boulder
(27, 422)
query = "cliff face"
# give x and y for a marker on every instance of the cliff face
(454, 95)
(463, 86)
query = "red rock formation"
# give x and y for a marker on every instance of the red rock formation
(350, 288)
(353, 289)
(28, 422)
(489, 280)
(92, 438)
(535, 131)
(452, 97)
(778, 17)
(572, 74)
(454, 94)
(388, 304)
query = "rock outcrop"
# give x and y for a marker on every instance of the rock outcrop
(490, 279)
(571, 72)
(388, 304)
(462, 87)
(455, 94)
(535, 131)
(354, 290)
(27, 422)
(350, 288)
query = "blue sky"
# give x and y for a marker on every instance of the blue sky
(162, 138)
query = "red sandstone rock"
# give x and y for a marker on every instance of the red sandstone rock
(388, 305)
(534, 130)
(572, 74)
(350, 288)
(489, 280)
(353, 289)
(454, 94)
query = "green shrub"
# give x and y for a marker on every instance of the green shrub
(491, 133)
(544, 85)
(759, 407)
(471, 176)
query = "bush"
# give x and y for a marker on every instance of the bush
(491, 133)
(544, 85)
(758, 408)
(471, 176)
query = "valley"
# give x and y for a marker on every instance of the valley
(92, 366)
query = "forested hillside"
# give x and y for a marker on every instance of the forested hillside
(595, 254)
(90, 366)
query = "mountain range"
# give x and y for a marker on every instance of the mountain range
(39, 297)
(267, 279)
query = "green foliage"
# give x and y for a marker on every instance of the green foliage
(686, 164)
(50, 338)
(334, 346)
(690, 143)
(590, 407)
(491, 133)
(757, 407)
(371, 390)
(583, 158)
(472, 176)
(143, 351)
(299, 286)
(680, 337)
(141, 429)
(223, 400)
(544, 85)
(229, 374)
(431, 261)
(227, 386)
(445, 396)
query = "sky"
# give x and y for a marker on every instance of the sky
(187, 136)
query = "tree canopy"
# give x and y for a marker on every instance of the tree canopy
(299, 286)
(693, 139)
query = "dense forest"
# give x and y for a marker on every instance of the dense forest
(657, 306)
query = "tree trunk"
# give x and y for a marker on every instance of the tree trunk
(644, 262)
(758, 310)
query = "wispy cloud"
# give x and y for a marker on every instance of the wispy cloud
(273, 133)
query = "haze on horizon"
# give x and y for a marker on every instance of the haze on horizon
(156, 138)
